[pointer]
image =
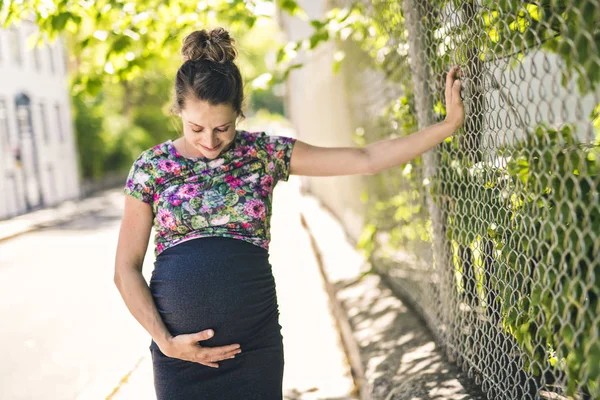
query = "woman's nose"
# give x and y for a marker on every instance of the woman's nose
(211, 142)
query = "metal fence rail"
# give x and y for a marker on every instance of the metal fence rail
(495, 234)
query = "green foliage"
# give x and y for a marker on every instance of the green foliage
(117, 40)
(266, 99)
(398, 218)
(90, 146)
(123, 141)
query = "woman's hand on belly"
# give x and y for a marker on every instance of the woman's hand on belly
(185, 347)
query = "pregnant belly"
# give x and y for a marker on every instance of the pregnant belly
(224, 284)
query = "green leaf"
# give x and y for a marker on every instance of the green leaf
(582, 46)
(251, 20)
(317, 37)
(121, 44)
(93, 86)
(59, 21)
(289, 69)
(317, 24)
(290, 6)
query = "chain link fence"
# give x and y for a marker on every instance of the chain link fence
(493, 235)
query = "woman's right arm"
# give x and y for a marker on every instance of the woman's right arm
(131, 249)
(134, 234)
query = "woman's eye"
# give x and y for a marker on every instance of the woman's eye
(218, 130)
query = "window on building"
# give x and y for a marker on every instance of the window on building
(37, 58)
(4, 133)
(52, 180)
(59, 57)
(43, 122)
(59, 124)
(51, 58)
(1, 48)
(65, 59)
(14, 40)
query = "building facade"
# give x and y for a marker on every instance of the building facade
(38, 156)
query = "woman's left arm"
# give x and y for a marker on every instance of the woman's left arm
(375, 157)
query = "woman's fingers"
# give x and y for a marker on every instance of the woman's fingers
(229, 347)
(210, 355)
(186, 347)
(451, 77)
(207, 334)
(222, 355)
(211, 360)
(209, 364)
(454, 106)
(456, 90)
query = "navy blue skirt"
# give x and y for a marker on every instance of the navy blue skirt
(226, 285)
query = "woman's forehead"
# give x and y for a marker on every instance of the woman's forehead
(204, 114)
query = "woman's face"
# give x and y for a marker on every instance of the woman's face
(207, 129)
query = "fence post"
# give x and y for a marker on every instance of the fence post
(420, 74)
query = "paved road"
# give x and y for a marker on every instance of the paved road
(68, 335)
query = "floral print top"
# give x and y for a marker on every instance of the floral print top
(228, 196)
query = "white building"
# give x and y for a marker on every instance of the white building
(38, 156)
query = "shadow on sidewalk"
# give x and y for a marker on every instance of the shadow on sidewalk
(399, 351)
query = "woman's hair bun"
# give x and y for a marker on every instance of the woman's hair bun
(215, 45)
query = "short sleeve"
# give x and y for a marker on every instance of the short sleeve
(279, 150)
(140, 181)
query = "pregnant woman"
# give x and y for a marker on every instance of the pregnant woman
(211, 305)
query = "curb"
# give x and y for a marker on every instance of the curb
(47, 217)
(343, 323)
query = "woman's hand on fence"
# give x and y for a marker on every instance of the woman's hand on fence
(186, 347)
(455, 111)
